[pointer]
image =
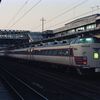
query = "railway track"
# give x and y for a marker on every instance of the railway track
(23, 91)
(88, 91)
(77, 89)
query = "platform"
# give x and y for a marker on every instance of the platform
(4, 95)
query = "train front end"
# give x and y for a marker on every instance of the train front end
(93, 56)
(87, 54)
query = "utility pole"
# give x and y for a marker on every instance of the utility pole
(42, 23)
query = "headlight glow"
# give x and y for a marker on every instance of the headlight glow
(96, 55)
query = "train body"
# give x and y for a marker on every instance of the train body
(82, 54)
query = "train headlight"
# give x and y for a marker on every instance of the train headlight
(96, 55)
(84, 58)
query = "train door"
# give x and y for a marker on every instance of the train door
(71, 55)
(32, 56)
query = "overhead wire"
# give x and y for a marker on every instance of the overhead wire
(72, 18)
(65, 8)
(63, 13)
(56, 13)
(67, 11)
(26, 13)
(16, 13)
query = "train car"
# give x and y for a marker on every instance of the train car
(82, 55)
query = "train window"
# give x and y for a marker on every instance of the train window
(38, 52)
(49, 52)
(65, 52)
(76, 41)
(41, 52)
(73, 41)
(59, 52)
(86, 40)
(23, 52)
(53, 52)
(20, 52)
(89, 40)
(45, 52)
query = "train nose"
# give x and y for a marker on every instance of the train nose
(98, 55)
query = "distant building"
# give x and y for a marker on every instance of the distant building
(81, 24)
(36, 36)
(49, 33)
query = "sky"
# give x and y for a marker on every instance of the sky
(27, 14)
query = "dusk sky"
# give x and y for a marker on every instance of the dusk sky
(26, 14)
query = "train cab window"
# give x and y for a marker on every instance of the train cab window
(45, 52)
(65, 52)
(86, 40)
(49, 52)
(41, 52)
(73, 42)
(59, 52)
(77, 40)
(53, 52)
(89, 40)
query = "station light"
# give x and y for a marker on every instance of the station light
(96, 55)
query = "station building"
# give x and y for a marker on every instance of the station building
(16, 37)
(36, 36)
(82, 24)
(13, 37)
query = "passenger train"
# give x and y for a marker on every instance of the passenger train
(81, 55)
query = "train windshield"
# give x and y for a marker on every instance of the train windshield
(86, 40)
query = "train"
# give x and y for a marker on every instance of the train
(79, 55)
